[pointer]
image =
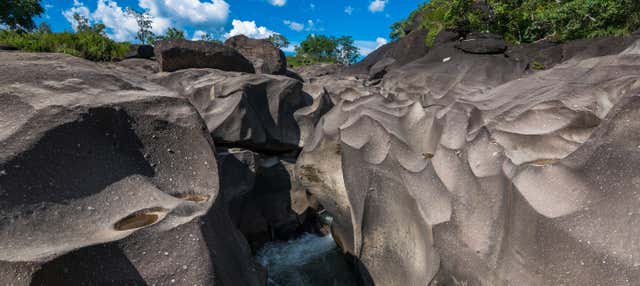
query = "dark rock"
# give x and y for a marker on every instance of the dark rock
(244, 110)
(407, 49)
(482, 43)
(140, 52)
(174, 55)
(4, 47)
(378, 70)
(294, 75)
(446, 36)
(266, 58)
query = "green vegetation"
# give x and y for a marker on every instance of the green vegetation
(525, 21)
(90, 41)
(172, 33)
(278, 40)
(324, 49)
(18, 14)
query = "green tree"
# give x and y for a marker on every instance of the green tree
(348, 53)
(325, 49)
(145, 23)
(44, 28)
(18, 14)
(173, 33)
(278, 40)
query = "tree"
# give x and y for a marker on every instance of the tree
(206, 37)
(144, 34)
(348, 53)
(279, 41)
(83, 25)
(173, 33)
(43, 28)
(18, 14)
(320, 48)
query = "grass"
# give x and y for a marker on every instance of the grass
(89, 45)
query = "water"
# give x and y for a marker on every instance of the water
(309, 260)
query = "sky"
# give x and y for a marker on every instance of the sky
(367, 21)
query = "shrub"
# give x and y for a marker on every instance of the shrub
(524, 21)
(87, 44)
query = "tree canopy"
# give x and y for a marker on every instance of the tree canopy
(278, 40)
(326, 49)
(18, 14)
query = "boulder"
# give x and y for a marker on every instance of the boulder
(266, 58)
(91, 156)
(482, 43)
(140, 52)
(174, 55)
(249, 111)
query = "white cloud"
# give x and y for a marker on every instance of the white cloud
(348, 10)
(377, 5)
(78, 7)
(188, 12)
(197, 35)
(164, 14)
(366, 47)
(279, 3)
(249, 29)
(291, 48)
(294, 25)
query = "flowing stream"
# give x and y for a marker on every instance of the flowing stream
(308, 260)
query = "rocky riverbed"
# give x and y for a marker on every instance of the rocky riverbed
(472, 162)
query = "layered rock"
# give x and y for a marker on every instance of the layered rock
(176, 54)
(266, 57)
(461, 168)
(94, 161)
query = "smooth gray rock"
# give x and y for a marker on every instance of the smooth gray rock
(464, 169)
(173, 55)
(244, 110)
(90, 156)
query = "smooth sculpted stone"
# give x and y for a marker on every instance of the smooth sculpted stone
(464, 169)
(244, 110)
(90, 156)
(173, 55)
(266, 57)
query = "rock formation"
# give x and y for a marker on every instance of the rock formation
(112, 173)
(266, 58)
(469, 169)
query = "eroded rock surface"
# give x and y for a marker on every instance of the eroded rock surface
(97, 161)
(467, 168)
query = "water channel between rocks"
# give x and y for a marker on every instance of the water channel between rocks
(308, 260)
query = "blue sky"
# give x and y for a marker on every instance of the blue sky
(367, 21)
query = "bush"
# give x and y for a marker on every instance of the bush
(525, 21)
(87, 44)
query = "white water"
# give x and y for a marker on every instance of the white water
(308, 260)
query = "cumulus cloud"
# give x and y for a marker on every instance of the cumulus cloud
(348, 10)
(188, 12)
(279, 3)
(381, 41)
(377, 5)
(164, 14)
(294, 25)
(366, 47)
(249, 29)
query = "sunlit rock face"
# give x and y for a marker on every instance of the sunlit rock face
(461, 168)
(99, 163)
